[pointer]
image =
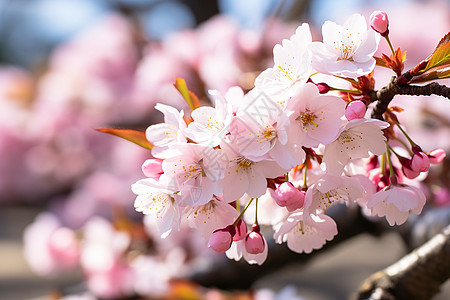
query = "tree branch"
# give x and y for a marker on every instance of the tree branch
(385, 95)
(417, 275)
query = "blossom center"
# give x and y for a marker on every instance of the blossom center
(269, 133)
(307, 118)
(194, 170)
(243, 163)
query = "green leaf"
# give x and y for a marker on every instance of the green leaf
(441, 55)
(132, 135)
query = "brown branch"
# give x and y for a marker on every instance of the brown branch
(385, 95)
(417, 275)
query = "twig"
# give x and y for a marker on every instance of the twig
(385, 95)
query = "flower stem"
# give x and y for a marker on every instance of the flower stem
(256, 211)
(242, 212)
(405, 134)
(346, 91)
(305, 185)
(390, 45)
(392, 177)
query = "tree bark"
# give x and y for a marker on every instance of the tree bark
(417, 275)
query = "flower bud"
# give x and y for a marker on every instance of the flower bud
(379, 22)
(220, 240)
(409, 173)
(355, 110)
(152, 168)
(323, 87)
(436, 156)
(254, 241)
(420, 162)
(287, 195)
(241, 231)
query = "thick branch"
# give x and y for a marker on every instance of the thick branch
(385, 95)
(418, 275)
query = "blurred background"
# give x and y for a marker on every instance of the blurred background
(68, 229)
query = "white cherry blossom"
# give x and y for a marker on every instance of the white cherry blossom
(165, 134)
(330, 189)
(245, 176)
(292, 66)
(305, 234)
(347, 50)
(155, 200)
(357, 139)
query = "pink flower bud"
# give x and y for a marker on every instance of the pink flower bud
(152, 168)
(287, 195)
(220, 240)
(323, 87)
(420, 162)
(254, 241)
(241, 231)
(379, 22)
(436, 156)
(409, 173)
(355, 110)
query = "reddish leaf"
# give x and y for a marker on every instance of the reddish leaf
(190, 98)
(439, 72)
(132, 135)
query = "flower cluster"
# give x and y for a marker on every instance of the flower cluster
(287, 150)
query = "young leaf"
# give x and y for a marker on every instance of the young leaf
(190, 98)
(441, 54)
(439, 72)
(132, 135)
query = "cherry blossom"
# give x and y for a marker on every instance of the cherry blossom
(347, 50)
(164, 134)
(155, 200)
(305, 234)
(314, 118)
(195, 171)
(396, 202)
(211, 216)
(330, 189)
(245, 176)
(292, 66)
(357, 139)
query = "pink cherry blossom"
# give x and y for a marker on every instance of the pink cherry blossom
(396, 202)
(314, 118)
(346, 50)
(379, 22)
(238, 250)
(305, 234)
(195, 171)
(211, 216)
(357, 139)
(329, 190)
